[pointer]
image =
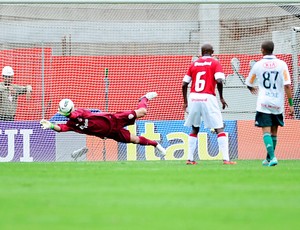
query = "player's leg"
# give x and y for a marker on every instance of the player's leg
(124, 136)
(193, 142)
(128, 118)
(264, 121)
(273, 161)
(274, 130)
(141, 112)
(274, 140)
(223, 144)
(193, 120)
(277, 120)
(268, 141)
(213, 119)
(143, 103)
(144, 141)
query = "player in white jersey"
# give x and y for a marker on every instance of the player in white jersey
(273, 79)
(204, 74)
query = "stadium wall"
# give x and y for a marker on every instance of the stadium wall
(27, 142)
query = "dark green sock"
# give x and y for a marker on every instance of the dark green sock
(274, 139)
(269, 145)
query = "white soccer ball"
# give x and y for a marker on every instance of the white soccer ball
(65, 107)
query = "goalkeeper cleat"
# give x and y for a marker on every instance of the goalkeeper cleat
(80, 152)
(265, 162)
(225, 162)
(150, 95)
(161, 149)
(188, 162)
(273, 162)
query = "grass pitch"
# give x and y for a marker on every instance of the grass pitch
(149, 195)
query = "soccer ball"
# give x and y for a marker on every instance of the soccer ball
(65, 107)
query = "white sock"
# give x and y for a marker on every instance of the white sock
(223, 145)
(192, 147)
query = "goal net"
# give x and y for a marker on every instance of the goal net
(104, 57)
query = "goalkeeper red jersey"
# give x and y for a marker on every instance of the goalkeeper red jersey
(110, 125)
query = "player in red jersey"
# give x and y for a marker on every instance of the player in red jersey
(204, 74)
(104, 125)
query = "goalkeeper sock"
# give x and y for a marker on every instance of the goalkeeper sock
(145, 141)
(143, 103)
(223, 145)
(269, 145)
(192, 146)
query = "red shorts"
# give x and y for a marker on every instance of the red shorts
(122, 119)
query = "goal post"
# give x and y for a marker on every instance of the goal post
(104, 55)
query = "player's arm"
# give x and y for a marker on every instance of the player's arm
(49, 125)
(250, 80)
(288, 92)
(23, 89)
(28, 91)
(288, 88)
(62, 127)
(184, 94)
(220, 90)
(185, 82)
(220, 77)
(253, 90)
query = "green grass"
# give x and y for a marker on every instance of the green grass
(149, 195)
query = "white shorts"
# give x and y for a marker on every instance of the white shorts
(205, 107)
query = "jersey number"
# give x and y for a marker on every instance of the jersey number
(268, 79)
(200, 83)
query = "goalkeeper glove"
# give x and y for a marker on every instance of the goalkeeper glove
(46, 124)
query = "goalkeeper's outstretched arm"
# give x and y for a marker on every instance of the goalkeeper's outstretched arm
(48, 125)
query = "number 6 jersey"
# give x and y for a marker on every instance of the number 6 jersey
(271, 75)
(203, 74)
(203, 103)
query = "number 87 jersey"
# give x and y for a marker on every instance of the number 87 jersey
(203, 74)
(271, 75)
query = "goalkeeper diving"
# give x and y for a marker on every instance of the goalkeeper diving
(104, 125)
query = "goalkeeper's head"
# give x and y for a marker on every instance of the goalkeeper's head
(66, 106)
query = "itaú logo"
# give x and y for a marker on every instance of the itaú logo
(11, 133)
